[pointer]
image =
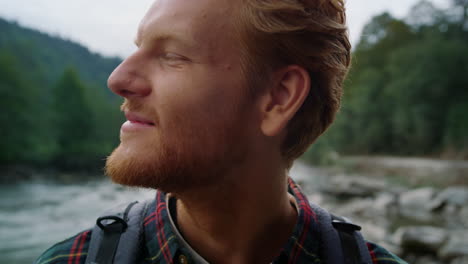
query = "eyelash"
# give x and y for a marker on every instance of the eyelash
(172, 57)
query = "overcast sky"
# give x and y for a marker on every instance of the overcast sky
(109, 26)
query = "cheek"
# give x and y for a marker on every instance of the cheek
(200, 96)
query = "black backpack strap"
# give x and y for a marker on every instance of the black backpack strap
(353, 245)
(117, 236)
(330, 240)
(341, 243)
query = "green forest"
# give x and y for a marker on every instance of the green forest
(407, 91)
(56, 109)
(406, 95)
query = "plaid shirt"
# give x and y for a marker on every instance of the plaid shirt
(163, 246)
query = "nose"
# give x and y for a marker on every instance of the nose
(128, 79)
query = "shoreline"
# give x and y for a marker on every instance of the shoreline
(408, 171)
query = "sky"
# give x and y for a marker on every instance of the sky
(109, 26)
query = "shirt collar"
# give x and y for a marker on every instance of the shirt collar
(163, 246)
(302, 246)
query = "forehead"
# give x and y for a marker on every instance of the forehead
(200, 21)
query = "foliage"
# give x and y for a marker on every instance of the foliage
(407, 89)
(16, 98)
(55, 107)
(406, 94)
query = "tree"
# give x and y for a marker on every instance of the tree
(72, 120)
(49, 114)
(407, 90)
(424, 13)
(463, 6)
(16, 99)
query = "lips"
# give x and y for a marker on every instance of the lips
(136, 123)
(137, 119)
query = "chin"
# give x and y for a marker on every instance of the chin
(137, 168)
(173, 170)
(185, 160)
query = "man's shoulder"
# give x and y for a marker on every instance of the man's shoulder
(71, 250)
(380, 255)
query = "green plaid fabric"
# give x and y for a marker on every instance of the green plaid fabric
(72, 250)
(162, 245)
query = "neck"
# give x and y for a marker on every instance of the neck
(233, 222)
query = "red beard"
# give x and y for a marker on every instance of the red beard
(180, 155)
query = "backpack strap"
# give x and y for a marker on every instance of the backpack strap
(341, 241)
(117, 236)
(353, 244)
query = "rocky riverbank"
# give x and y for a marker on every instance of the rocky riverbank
(423, 225)
(422, 217)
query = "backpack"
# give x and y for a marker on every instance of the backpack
(118, 235)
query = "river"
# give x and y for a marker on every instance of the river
(35, 215)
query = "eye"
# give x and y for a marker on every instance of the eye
(173, 60)
(173, 57)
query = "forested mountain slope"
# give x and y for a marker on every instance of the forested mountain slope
(56, 108)
(407, 91)
(45, 57)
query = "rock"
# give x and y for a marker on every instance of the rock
(415, 204)
(317, 198)
(463, 260)
(455, 196)
(362, 208)
(426, 260)
(352, 186)
(390, 246)
(453, 217)
(464, 217)
(421, 239)
(385, 204)
(456, 247)
(374, 232)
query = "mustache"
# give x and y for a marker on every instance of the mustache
(140, 108)
(131, 106)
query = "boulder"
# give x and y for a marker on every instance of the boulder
(421, 239)
(426, 260)
(462, 260)
(385, 204)
(373, 232)
(361, 208)
(464, 216)
(456, 247)
(416, 204)
(454, 217)
(455, 196)
(353, 186)
(318, 198)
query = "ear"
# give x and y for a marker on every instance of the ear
(284, 98)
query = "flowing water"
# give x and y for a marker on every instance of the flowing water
(35, 215)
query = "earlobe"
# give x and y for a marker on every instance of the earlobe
(284, 98)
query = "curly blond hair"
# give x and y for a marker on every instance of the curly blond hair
(309, 33)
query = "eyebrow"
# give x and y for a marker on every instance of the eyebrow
(157, 37)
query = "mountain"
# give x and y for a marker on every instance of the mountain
(56, 109)
(48, 56)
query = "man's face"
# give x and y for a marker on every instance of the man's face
(189, 116)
